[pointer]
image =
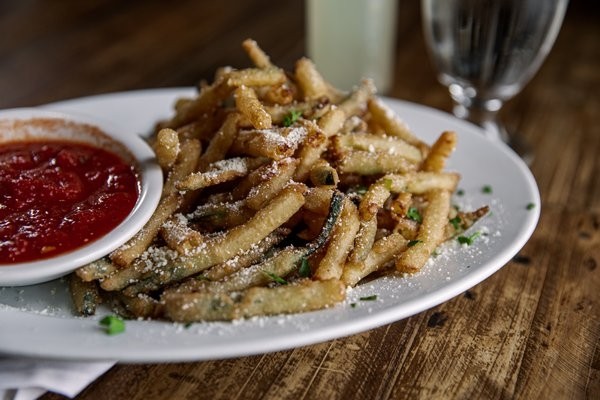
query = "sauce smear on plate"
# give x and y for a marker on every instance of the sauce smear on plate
(56, 196)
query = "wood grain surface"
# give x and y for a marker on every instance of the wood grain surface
(531, 331)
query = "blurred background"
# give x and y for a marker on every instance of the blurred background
(99, 46)
(53, 50)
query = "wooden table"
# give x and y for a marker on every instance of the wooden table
(532, 330)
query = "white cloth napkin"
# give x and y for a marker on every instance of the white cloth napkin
(28, 379)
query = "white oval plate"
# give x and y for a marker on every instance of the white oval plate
(37, 320)
(112, 137)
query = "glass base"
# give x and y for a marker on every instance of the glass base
(520, 145)
(485, 117)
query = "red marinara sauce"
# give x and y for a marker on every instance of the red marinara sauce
(56, 196)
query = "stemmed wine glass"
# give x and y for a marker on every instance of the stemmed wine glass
(487, 50)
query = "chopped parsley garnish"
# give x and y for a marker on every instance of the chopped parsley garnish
(275, 277)
(373, 297)
(468, 240)
(368, 298)
(413, 242)
(387, 183)
(455, 222)
(112, 325)
(414, 214)
(361, 189)
(487, 189)
(188, 325)
(292, 117)
(460, 192)
(304, 269)
(530, 206)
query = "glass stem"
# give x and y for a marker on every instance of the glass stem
(483, 113)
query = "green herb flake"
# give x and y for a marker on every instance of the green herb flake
(530, 206)
(291, 118)
(353, 305)
(304, 269)
(468, 240)
(487, 189)
(414, 214)
(455, 222)
(387, 183)
(369, 298)
(112, 325)
(413, 242)
(275, 277)
(460, 192)
(361, 189)
(188, 325)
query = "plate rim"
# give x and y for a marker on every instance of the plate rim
(393, 313)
